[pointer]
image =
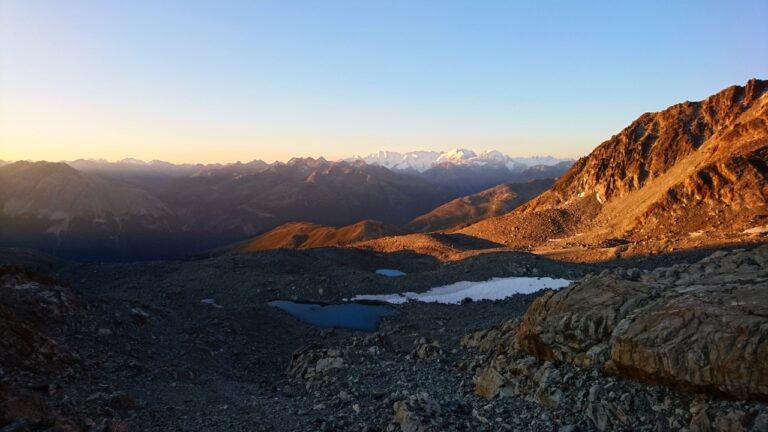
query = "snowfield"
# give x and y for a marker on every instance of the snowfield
(494, 289)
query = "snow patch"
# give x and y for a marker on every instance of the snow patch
(28, 285)
(757, 230)
(61, 224)
(494, 289)
(211, 302)
(597, 196)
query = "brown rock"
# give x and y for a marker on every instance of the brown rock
(708, 335)
(575, 324)
(488, 383)
(702, 331)
(311, 364)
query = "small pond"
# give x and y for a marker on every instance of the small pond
(389, 272)
(352, 316)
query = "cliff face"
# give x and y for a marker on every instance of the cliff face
(656, 142)
(671, 176)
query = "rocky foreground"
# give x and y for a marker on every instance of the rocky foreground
(632, 345)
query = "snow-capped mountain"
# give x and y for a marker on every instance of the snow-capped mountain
(412, 161)
(421, 161)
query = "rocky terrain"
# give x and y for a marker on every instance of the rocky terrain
(673, 342)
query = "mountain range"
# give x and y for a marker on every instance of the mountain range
(465, 172)
(93, 209)
(690, 175)
(421, 161)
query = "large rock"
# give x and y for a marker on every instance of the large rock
(700, 327)
(575, 324)
(708, 333)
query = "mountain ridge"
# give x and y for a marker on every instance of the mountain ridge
(662, 182)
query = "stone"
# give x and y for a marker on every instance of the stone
(704, 333)
(417, 413)
(707, 336)
(312, 364)
(575, 323)
(488, 383)
(426, 351)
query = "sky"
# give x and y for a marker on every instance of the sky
(222, 81)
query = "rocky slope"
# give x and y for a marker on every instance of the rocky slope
(691, 175)
(300, 235)
(312, 190)
(40, 368)
(53, 207)
(444, 247)
(496, 201)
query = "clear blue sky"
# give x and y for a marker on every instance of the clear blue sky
(219, 81)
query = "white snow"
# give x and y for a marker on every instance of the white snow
(423, 160)
(757, 230)
(60, 224)
(494, 289)
(212, 302)
(456, 155)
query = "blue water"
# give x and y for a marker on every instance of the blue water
(389, 272)
(353, 316)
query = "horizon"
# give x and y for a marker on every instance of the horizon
(244, 161)
(271, 81)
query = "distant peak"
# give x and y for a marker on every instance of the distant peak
(132, 161)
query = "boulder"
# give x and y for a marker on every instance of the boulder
(312, 365)
(417, 413)
(575, 324)
(701, 328)
(427, 350)
(706, 334)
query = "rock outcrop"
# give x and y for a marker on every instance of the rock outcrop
(706, 333)
(313, 366)
(698, 328)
